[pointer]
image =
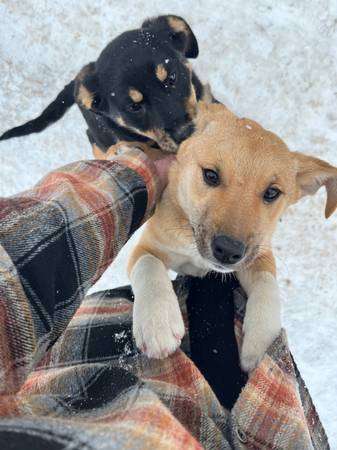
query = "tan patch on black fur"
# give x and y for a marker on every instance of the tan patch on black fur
(159, 136)
(161, 72)
(191, 103)
(207, 95)
(135, 95)
(85, 97)
(98, 153)
(120, 121)
(177, 25)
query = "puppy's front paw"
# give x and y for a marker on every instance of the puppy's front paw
(158, 331)
(252, 353)
(254, 347)
(260, 328)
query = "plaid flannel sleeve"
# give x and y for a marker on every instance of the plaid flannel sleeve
(56, 240)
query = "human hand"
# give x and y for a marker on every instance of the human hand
(161, 160)
(163, 166)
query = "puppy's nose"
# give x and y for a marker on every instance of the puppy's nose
(227, 250)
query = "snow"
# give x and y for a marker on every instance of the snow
(272, 62)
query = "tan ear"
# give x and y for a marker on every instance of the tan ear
(314, 173)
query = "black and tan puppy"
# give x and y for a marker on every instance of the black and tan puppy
(141, 88)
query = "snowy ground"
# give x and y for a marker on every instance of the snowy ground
(275, 64)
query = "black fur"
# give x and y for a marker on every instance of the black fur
(101, 89)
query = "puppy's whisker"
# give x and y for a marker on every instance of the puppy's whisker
(179, 228)
(263, 254)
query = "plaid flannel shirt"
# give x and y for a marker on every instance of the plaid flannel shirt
(70, 375)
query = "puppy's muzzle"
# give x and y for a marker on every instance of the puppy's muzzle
(227, 250)
(182, 133)
(165, 142)
(169, 139)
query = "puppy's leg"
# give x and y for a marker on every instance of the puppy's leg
(113, 150)
(123, 146)
(98, 153)
(158, 325)
(262, 322)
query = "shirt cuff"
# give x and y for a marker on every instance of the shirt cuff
(136, 160)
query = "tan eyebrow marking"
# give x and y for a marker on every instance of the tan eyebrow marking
(120, 121)
(135, 95)
(161, 72)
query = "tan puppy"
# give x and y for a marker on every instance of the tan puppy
(229, 186)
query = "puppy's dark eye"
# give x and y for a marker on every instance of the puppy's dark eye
(96, 101)
(271, 194)
(135, 107)
(171, 79)
(211, 177)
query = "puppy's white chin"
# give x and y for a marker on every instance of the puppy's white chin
(228, 269)
(221, 269)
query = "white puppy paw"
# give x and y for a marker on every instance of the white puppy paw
(158, 326)
(262, 323)
(158, 331)
(253, 350)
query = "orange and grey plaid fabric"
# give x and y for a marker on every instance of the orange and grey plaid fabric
(70, 375)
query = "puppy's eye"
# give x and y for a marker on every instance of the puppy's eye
(96, 101)
(135, 107)
(211, 177)
(171, 79)
(271, 194)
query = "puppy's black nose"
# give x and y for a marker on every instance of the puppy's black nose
(227, 250)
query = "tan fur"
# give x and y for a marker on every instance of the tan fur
(135, 95)
(265, 262)
(161, 72)
(312, 174)
(249, 159)
(177, 25)
(123, 146)
(120, 121)
(112, 151)
(144, 249)
(191, 103)
(85, 97)
(207, 96)
(157, 135)
(98, 153)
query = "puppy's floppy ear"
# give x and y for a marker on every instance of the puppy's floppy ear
(87, 91)
(177, 30)
(314, 173)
